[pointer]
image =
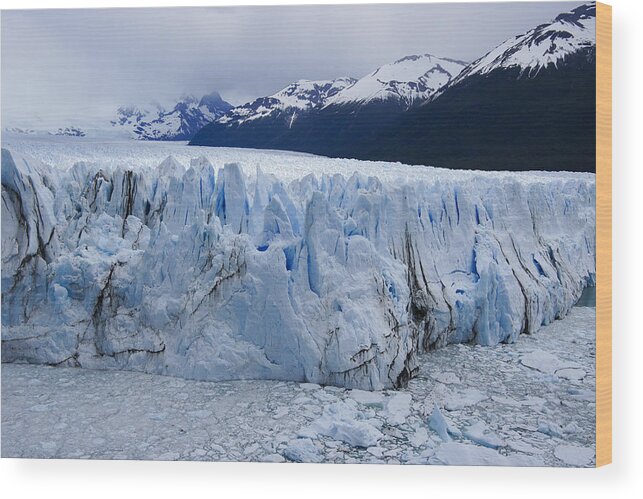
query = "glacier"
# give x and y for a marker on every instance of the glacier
(335, 272)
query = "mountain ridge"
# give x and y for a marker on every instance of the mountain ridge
(407, 81)
(188, 115)
(529, 103)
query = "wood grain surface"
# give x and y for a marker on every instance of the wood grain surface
(603, 234)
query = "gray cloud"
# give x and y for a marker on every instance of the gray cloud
(58, 65)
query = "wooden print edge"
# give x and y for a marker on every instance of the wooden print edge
(603, 234)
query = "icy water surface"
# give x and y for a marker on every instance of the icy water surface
(531, 403)
(588, 298)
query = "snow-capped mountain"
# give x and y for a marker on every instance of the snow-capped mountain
(181, 122)
(300, 96)
(70, 131)
(319, 109)
(407, 81)
(19, 130)
(404, 83)
(544, 46)
(529, 103)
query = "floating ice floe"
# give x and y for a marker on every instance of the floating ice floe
(574, 455)
(340, 421)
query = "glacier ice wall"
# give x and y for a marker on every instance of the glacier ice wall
(220, 274)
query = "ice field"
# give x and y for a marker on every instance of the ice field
(129, 255)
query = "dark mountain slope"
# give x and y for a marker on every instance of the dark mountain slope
(501, 122)
(527, 104)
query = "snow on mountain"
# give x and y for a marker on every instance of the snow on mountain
(310, 273)
(544, 46)
(407, 81)
(186, 118)
(300, 96)
(40, 133)
(321, 117)
(19, 130)
(71, 131)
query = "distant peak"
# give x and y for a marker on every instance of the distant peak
(180, 121)
(406, 82)
(581, 12)
(214, 100)
(299, 96)
(417, 57)
(188, 99)
(320, 83)
(546, 45)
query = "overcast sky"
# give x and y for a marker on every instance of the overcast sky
(60, 65)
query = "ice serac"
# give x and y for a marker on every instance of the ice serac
(234, 273)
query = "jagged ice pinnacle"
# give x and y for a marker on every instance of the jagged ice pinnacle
(235, 273)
